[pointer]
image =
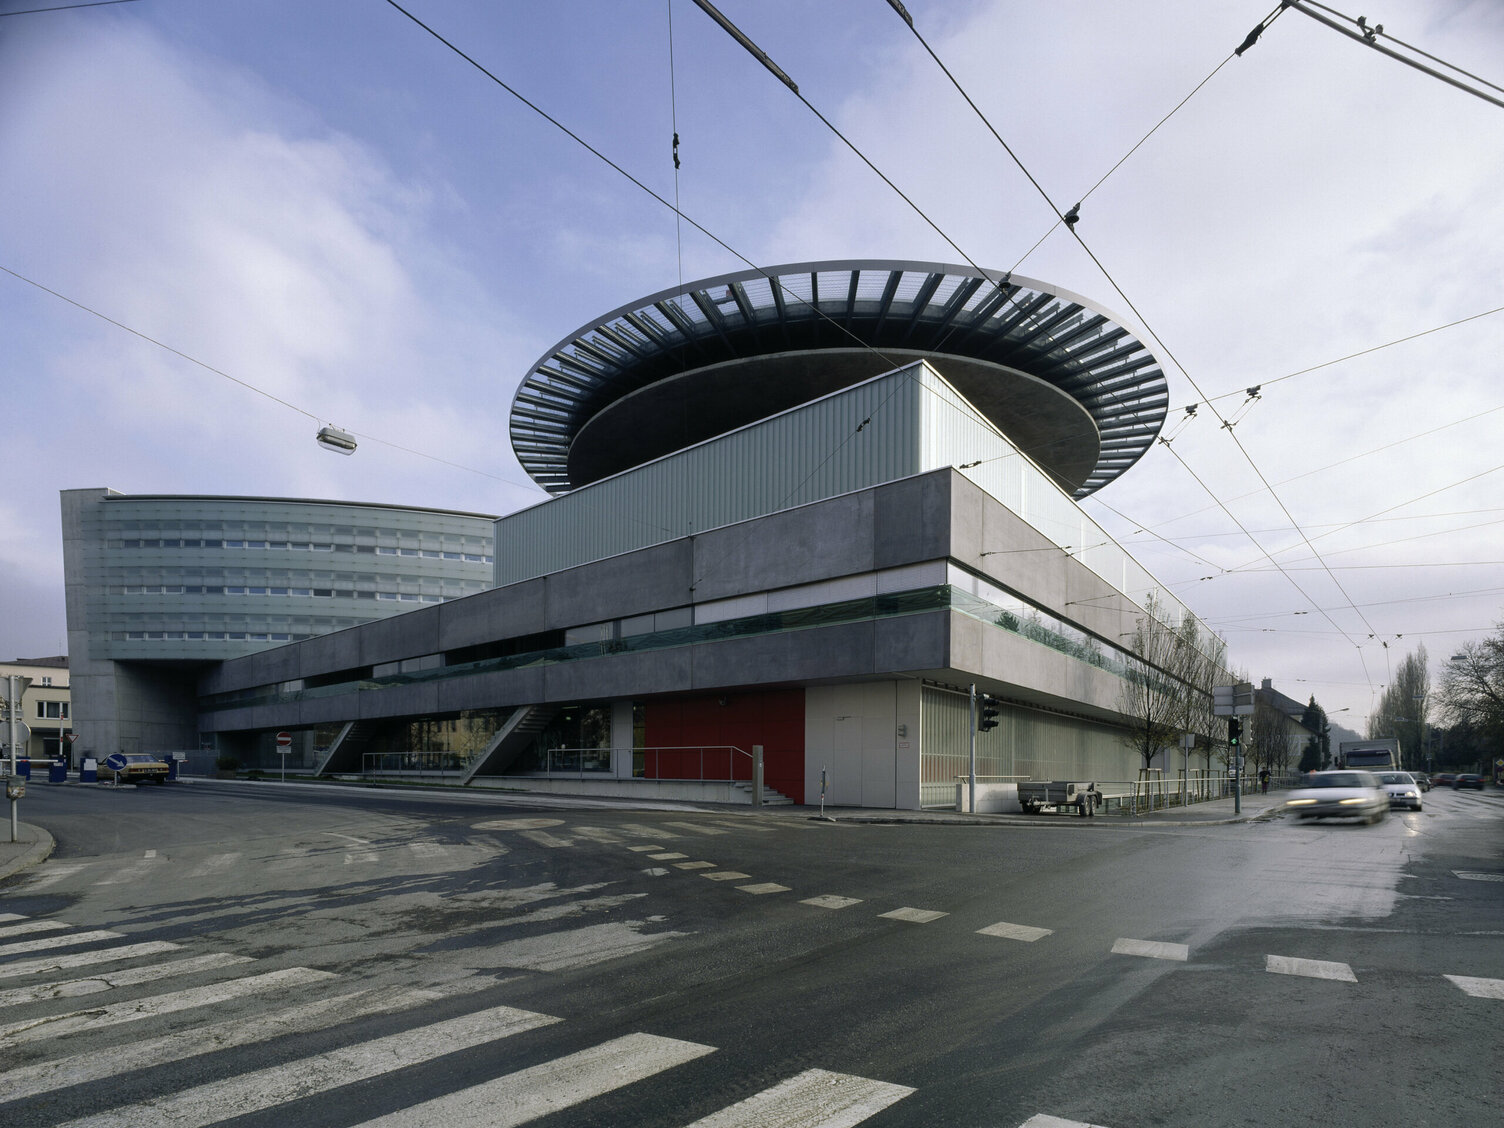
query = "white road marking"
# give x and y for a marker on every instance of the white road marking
(149, 854)
(55, 1025)
(426, 848)
(1314, 969)
(747, 824)
(362, 858)
(51, 875)
(813, 1099)
(11, 916)
(726, 875)
(106, 981)
(133, 872)
(1479, 988)
(694, 865)
(638, 830)
(764, 887)
(543, 838)
(1154, 949)
(215, 864)
(349, 838)
(831, 901)
(57, 942)
(289, 857)
(562, 1083)
(93, 1065)
(656, 871)
(916, 916)
(1471, 875)
(267, 1088)
(86, 959)
(645, 849)
(516, 824)
(1016, 932)
(579, 947)
(667, 856)
(697, 828)
(599, 834)
(31, 926)
(1042, 1120)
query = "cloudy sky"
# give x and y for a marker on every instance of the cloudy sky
(323, 201)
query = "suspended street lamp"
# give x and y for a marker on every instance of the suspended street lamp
(332, 438)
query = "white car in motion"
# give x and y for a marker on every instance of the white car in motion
(1402, 788)
(1339, 795)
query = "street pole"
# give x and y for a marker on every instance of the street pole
(15, 687)
(971, 799)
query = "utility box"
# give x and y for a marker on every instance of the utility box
(88, 772)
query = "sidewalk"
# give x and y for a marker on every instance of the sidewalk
(1215, 812)
(32, 845)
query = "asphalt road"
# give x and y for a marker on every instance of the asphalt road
(326, 957)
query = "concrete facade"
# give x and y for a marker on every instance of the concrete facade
(825, 582)
(159, 586)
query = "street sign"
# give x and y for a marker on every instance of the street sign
(1232, 700)
(284, 741)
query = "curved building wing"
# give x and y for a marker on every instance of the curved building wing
(1062, 379)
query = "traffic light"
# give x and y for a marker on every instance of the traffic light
(987, 712)
(1234, 730)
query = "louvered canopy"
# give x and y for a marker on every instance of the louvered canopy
(1064, 381)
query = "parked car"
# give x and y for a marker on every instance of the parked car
(1423, 779)
(1339, 795)
(1468, 779)
(1402, 789)
(133, 767)
(1443, 779)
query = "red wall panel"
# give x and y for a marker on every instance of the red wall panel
(772, 718)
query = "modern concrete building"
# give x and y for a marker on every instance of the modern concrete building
(802, 509)
(159, 588)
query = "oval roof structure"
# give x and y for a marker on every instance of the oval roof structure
(1062, 379)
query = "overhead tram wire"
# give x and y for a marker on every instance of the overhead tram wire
(1070, 220)
(891, 361)
(1143, 527)
(1356, 355)
(68, 7)
(252, 387)
(1369, 36)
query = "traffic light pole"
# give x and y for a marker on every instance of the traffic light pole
(971, 758)
(1234, 733)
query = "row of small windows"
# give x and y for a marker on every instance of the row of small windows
(289, 530)
(308, 546)
(314, 593)
(55, 710)
(218, 636)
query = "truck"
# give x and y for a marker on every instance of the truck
(1377, 754)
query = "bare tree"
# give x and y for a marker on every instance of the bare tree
(1170, 672)
(1264, 736)
(1403, 708)
(1472, 687)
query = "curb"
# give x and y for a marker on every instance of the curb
(1105, 822)
(37, 850)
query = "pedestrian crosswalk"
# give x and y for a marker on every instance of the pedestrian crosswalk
(816, 1098)
(152, 1003)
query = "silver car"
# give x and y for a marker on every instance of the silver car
(1402, 787)
(1339, 795)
